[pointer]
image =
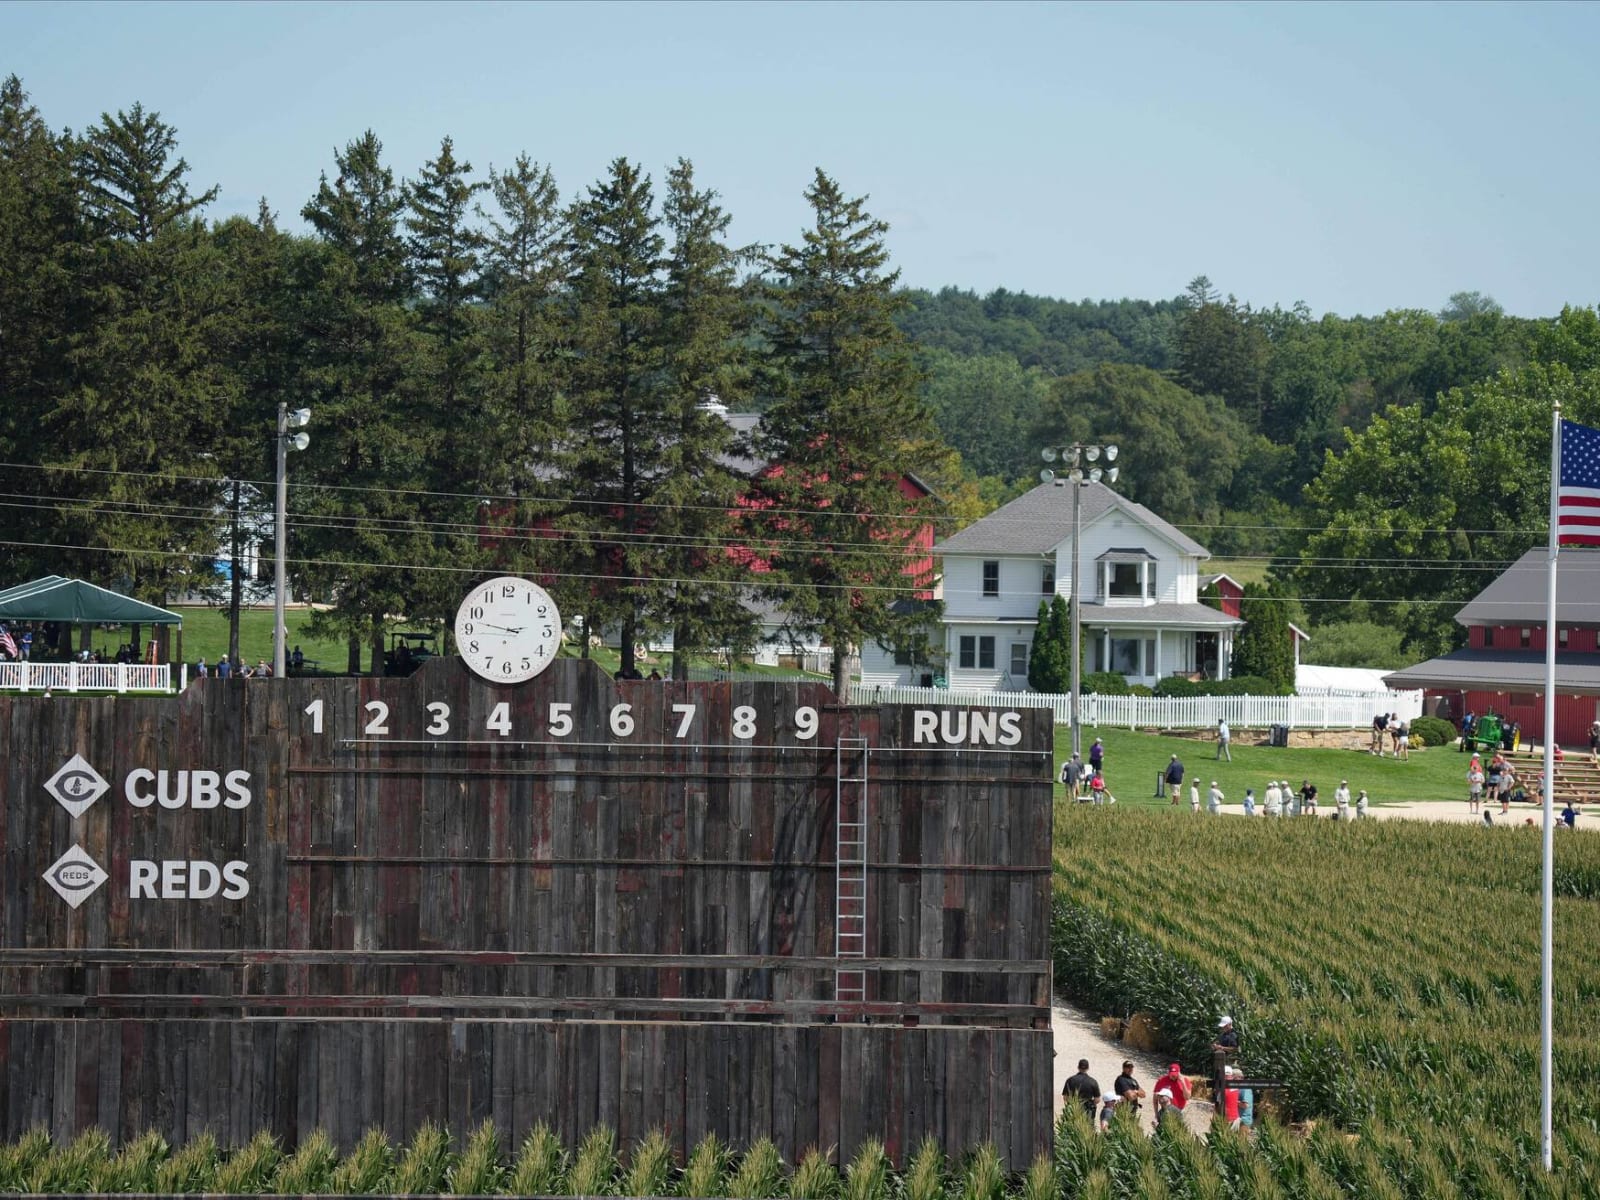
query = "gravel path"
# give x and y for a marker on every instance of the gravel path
(1077, 1035)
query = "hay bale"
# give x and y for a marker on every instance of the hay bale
(1143, 1032)
(1111, 1027)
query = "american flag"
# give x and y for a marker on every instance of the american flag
(7, 642)
(1578, 500)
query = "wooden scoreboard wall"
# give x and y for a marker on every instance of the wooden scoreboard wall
(346, 903)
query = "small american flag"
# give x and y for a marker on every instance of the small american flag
(1578, 499)
(7, 642)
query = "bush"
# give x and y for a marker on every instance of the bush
(1104, 683)
(1242, 685)
(1432, 731)
(1177, 685)
(1139, 689)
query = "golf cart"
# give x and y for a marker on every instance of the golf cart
(408, 650)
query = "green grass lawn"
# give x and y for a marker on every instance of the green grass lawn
(1245, 570)
(1133, 760)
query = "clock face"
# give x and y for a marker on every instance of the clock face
(508, 630)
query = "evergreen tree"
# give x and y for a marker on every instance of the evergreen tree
(619, 423)
(132, 186)
(526, 270)
(1264, 647)
(1050, 661)
(41, 236)
(706, 318)
(464, 450)
(259, 340)
(371, 428)
(134, 429)
(844, 433)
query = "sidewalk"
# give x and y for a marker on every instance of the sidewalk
(1077, 1035)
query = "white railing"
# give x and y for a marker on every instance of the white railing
(1350, 710)
(85, 677)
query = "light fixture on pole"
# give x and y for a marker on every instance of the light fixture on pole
(1072, 458)
(280, 531)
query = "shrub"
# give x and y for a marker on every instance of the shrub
(1104, 683)
(1431, 731)
(1139, 689)
(1177, 685)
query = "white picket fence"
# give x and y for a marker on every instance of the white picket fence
(85, 677)
(1343, 710)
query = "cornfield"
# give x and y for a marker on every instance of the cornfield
(1388, 972)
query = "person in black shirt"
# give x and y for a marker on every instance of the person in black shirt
(1127, 1087)
(1083, 1088)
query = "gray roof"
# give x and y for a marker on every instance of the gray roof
(1577, 673)
(1158, 614)
(1119, 555)
(1039, 521)
(1519, 595)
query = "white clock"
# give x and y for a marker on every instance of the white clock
(508, 629)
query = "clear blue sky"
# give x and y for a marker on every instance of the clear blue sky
(1358, 157)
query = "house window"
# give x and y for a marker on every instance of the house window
(1149, 656)
(969, 652)
(1125, 656)
(1047, 579)
(1019, 659)
(902, 658)
(986, 654)
(991, 577)
(1122, 579)
(1527, 638)
(1150, 580)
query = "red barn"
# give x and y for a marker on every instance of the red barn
(1501, 669)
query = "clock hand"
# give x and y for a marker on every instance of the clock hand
(501, 628)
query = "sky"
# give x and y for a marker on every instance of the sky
(1356, 157)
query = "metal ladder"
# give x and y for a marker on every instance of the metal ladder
(850, 857)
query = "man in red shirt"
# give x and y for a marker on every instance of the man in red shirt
(1172, 1088)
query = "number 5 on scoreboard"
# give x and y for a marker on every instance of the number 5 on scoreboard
(686, 711)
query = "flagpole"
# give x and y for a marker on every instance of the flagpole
(1547, 924)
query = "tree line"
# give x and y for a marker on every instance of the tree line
(1387, 467)
(501, 377)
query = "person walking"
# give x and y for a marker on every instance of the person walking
(1070, 775)
(1083, 1088)
(1214, 799)
(1174, 777)
(1403, 742)
(1097, 756)
(1249, 802)
(1223, 738)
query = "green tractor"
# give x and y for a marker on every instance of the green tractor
(1486, 734)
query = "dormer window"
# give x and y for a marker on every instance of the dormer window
(1127, 575)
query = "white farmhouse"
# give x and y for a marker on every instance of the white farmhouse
(1141, 617)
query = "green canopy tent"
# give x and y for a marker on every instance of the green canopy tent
(74, 602)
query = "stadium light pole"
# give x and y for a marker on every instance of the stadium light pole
(286, 421)
(1072, 458)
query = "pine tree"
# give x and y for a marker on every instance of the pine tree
(132, 186)
(613, 454)
(526, 269)
(133, 430)
(1264, 647)
(371, 429)
(706, 318)
(41, 235)
(845, 432)
(258, 347)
